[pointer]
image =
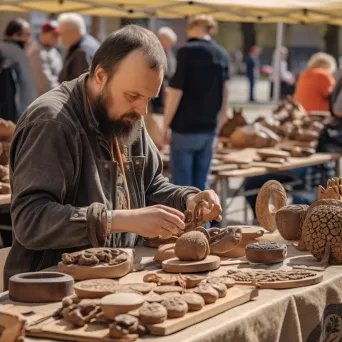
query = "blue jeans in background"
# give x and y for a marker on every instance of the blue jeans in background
(190, 158)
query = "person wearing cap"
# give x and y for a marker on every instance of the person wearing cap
(46, 62)
(252, 69)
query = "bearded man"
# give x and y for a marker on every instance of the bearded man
(84, 172)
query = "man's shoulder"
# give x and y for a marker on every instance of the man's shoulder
(89, 44)
(56, 106)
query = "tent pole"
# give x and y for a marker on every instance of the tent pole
(152, 24)
(277, 58)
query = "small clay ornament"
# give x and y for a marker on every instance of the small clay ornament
(118, 303)
(192, 246)
(195, 301)
(220, 288)
(168, 295)
(124, 325)
(228, 282)
(141, 287)
(165, 252)
(208, 293)
(167, 288)
(176, 307)
(154, 298)
(152, 313)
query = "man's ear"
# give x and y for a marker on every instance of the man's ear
(100, 76)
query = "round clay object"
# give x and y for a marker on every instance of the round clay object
(170, 295)
(141, 287)
(220, 288)
(95, 288)
(40, 287)
(266, 215)
(229, 282)
(289, 221)
(160, 279)
(154, 298)
(165, 252)
(176, 307)
(152, 313)
(119, 303)
(266, 252)
(195, 301)
(192, 246)
(167, 288)
(208, 293)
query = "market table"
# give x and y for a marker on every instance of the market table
(299, 314)
(224, 177)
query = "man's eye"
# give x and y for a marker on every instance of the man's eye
(131, 97)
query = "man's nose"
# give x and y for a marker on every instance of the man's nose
(141, 107)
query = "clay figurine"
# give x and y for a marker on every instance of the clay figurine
(231, 124)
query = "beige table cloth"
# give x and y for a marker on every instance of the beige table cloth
(312, 313)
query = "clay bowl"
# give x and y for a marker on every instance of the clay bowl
(249, 235)
(266, 252)
(120, 303)
(79, 272)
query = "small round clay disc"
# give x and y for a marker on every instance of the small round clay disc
(95, 288)
(123, 299)
(170, 295)
(167, 288)
(154, 298)
(176, 307)
(208, 293)
(229, 282)
(195, 301)
(152, 313)
(141, 287)
(220, 288)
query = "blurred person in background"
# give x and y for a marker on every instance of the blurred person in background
(287, 80)
(316, 83)
(168, 39)
(17, 84)
(46, 61)
(252, 69)
(80, 46)
(196, 103)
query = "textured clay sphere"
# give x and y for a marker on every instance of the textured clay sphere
(323, 226)
(289, 221)
(192, 246)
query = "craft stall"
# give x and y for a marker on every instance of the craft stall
(277, 282)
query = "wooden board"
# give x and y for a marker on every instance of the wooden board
(174, 265)
(62, 330)
(235, 297)
(286, 284)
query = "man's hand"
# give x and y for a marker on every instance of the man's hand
(151, 222)
(166, 139)
(208, 196)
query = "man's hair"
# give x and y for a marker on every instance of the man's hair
(119, 44)
(205, 21)
(75, 20)
(15, 26)
(168, 32)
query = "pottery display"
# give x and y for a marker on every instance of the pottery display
(266, 252)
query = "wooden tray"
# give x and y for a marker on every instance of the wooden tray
(286, 284)
(62, 330)
(98, 271)
(174, 265)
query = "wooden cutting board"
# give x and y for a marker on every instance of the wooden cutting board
(62, 330)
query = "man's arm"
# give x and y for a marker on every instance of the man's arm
(175, 90)
(223, 116)
(45, 161)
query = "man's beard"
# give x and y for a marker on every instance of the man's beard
(127, 129)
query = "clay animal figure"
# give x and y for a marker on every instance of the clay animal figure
(237, 121)
(320, 232)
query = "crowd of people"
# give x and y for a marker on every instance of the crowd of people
(33, 68)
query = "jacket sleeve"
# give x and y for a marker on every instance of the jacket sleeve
(158, 189)
(45, 162)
